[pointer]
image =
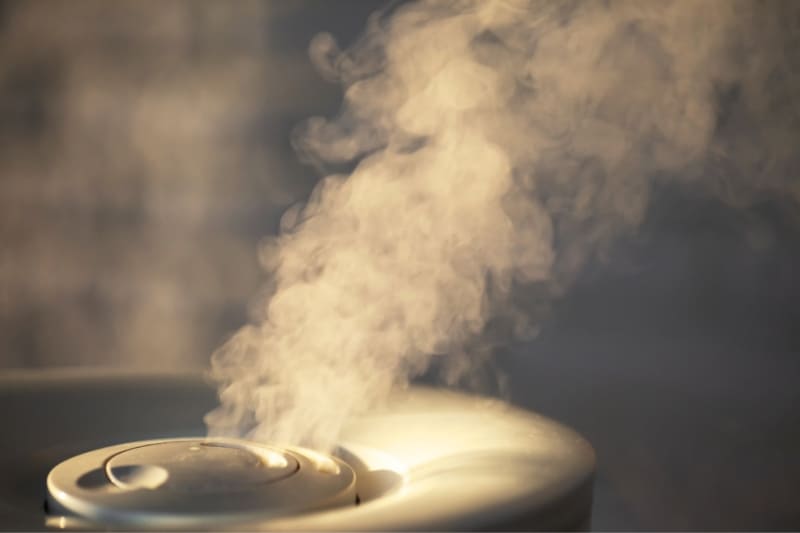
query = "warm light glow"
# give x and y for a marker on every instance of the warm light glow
(496, 143)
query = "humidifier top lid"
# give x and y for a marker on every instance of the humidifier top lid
(186, 482)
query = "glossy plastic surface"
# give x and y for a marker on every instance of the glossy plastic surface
(428, 459)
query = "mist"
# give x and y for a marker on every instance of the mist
(482, 147)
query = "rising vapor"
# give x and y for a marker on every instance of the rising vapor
(493, 143)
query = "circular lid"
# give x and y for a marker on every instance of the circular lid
(190, 482)
(188, 466)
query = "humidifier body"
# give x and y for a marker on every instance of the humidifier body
(111, 450)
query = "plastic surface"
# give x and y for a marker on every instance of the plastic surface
(427, 460)
(189, 483)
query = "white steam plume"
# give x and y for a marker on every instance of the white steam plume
(497, 142)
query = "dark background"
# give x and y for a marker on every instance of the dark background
(145, 150)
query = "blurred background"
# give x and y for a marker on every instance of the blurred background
(145, 151)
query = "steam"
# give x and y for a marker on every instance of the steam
(493, 144)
